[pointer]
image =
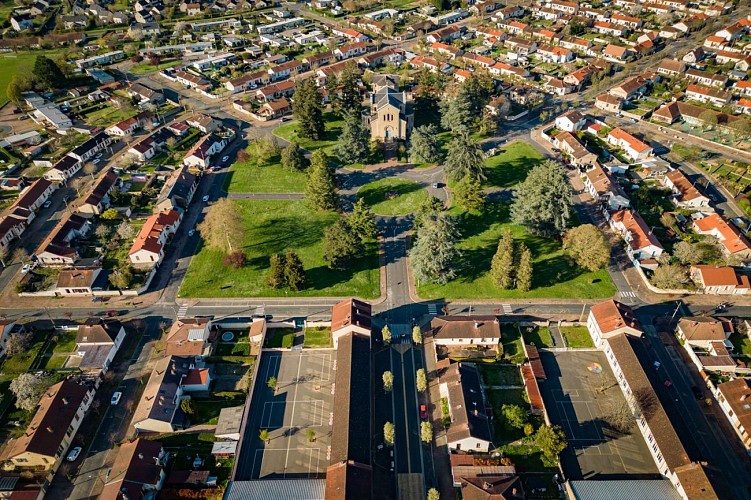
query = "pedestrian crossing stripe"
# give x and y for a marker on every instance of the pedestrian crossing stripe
(182, 311)
(628, 294)
(432, 310)
(507, 309)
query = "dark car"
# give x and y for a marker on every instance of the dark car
(423, 411)
(698, 393)
(112, 313)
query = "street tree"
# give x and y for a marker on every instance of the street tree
(542, 202)
(293, 157)
(524, 270)
(294, 272)
(429, 207)
(434, 254)
(354, 141)
(125, 231)
(416, 335)
(388, 381)
(551, 440)
(464, 159)
(670, 277)
(469, 195)
(222, 229)
(433, 494)
(271, 383)
(89, 169)
(263, 435)
(121, 277)
(308, 109)
(340, 245)
(421, 382)
(311, 434)
(389, 433)
(28, 389)
(426, 432)
(321, 189)
(424, 146)
(386, 334)
(362, 221)
(17, 342)
(587, 245)
(618, 415)
(514, 415)
(275, 278)
(502, 265)
(20, 255)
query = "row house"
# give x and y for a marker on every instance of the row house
(159, 409)
(630, 88)
(192, 80)
(138, 470)
(178, 191)
(706, 78)
(734, 397)
(57, 248)
(350, 34)
(580, 77)
(556, 86)
(610, 318)
(478, 60)
(545, 35)
(275, 91)
(11, 227)
(147, 250)
(634, 148)
(92, 147)
(65, 168)
(713, 96)
(446, 34)
(732, 241)
(642, 243)
(351, 50)
(743, 106)
(446, 50)
(720, 280)
(617, 53)
(386, 56)
(575, 150)
(33, 197)
(505, 69)
(685, 192)
(270, 110)
(249, 81)
(548, 14)
(565, 7)
(576, 43)
(284, 70)
(98, 200)
(430, 63)
(671, 67)
(733, 31)
(632, 23)
(127, 127)
(145, 95)
(606, 28)
(320, 59)
(97, 342)
(604, 189)
(555, 54)
(202, 122)
(492, 34)
(521, 46)
(514, 27)
(509, 12)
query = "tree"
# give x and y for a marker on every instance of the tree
(576, 27)
(432, 492)
(236, 259)
(321, 189)
(515, 415)
(242, 155)
(416, 335)
(311, 435)
(619, 416)
(89, 169)
(20, 83)
(524, 271)
(121, 277)
(17, 342)
(456, 114)
(429, 207)
(741, 129)
(20, 255)
(263, 435)
(276, 278)
(468, 194)
(386, 334)
(502, 265)
(388, 381)
(434, 254)
(529, 429)
(348, 94)
(294, 272)
(388, 433)
(709, 119)
(421, 382)
(266, 149)
(464, 159)
(670, 277)
(426, 432)
(125, 231)
(110, 214)
(308, 110)
(587, 246)
(424, 146)
(687, 253)
(362, 221)
(543, 201)
(28, 389)
(102, 231)
(271, 383)
(340, 245)
(354, 141)
(552, 440)
(221, 229)
(187, 406)
(47, 74)
(293, 157)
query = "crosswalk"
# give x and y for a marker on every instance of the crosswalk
(433, 309)
(507, 309)
(182, 311)
(628, 294)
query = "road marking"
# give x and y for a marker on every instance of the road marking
(432, 309)
(507, 309)
(294, 398)
(628, 294)
(182, 312)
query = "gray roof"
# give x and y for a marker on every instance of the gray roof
(277, 489)
(229, 421)
(94, 356)
(649, 489)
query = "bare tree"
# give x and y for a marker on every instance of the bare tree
(89, 169)
(28, 389)
(125, 231)
(102, 231)
(20, 255)
(221, 228)
(78, 183)
(619, 416)
(3, 255)
(646, 401)
(17, 342)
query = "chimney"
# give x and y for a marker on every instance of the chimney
(475, 412)
(477, 325)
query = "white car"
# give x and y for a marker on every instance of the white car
(26, 268)
(47, 204)
(96, 160)
(205, 198)
(73, 455)
(191, 232)
(225, 159)
(116, 397)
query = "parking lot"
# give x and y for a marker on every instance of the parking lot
(302, 402)
(580, 400)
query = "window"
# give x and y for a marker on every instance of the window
(478, 445)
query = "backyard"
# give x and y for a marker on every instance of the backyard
(275, 227)
(318, 337)
(279, 337)
(576, 336)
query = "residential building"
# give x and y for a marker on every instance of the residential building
(189, 337)
(200, 154)
(57, 249)
(229, 424)
(701, 331)
(610, 318)
(466, 331)
(178, 191)
(350, 316)
(572, 121)
(731, 239)
(470, 429)
(706, 78)
(685, 192)
(642, 243)
(65, 168)
(671, 67)
(391, 116)
(605, 189)
(97, 342)
(6, 328)
(92, 147)
(720, 280)
(148, 248)
(734, 397)
(710, 95)
(610, 103)
(570, 145)
(80, 281)
(97, 200)
(197, 380)
(204, 123)
(138, 471)
(145, 95)
(634, 148)
(159, 407)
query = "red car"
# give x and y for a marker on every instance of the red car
(112, 313)
(423, 411)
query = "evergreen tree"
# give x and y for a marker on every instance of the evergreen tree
(434, 254)
(464, 159)
(427, 86)
(542, 202)
(478, 92)
(340, 245)
(502, 265)
(354, 141)
(468, 194)
(276, 278)
(362, 221)
(430, 206)
(456, 112)
(293, 157)
(308, 109)
(524, 269)
(348, 96)
(294, 273)
(47, 74)
(423, 144)
(321, 189)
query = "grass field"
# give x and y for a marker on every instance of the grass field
(495, 374)
(12, 64)
(273, 227)
(109, 115)
(513, 351)
(145, 67)
(540, 337)
(511, 165)
(577, 336)
(249, 177)
(318, 337)
(279, 337)
(288, 132)
(393, 196)
(555, 274)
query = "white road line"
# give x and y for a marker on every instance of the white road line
(294, 402)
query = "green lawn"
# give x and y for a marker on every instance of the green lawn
(288, 132)
(540, 337)
(66, 343)
(249, 177)
(272, 227)
(54, 362)
(145, 67)
(12, 64)
(20, 363)
(207, 411)
(527, 458)
(513, 351)
(233, 349)
(108, 115)
(279, 337)
(555, 274)
(742, 343)
(495, 374)
(393, 196)
(577, 336)
(511, 165)
(318, 337)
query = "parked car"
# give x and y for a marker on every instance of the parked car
(26, 268)
(116, 397)
(112, 313)
(225, 159)
(96, 160)
(423, 411)
(47, 204)
(73, 455)
(191, 232)
(205, 198)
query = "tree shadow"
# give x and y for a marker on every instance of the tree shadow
(384, 192)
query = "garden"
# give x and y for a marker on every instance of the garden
(317, 337)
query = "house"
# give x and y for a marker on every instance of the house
(224, 449)
(138, 471)
(98, 200)
(720, 280)
(487, 486)
(350, 50)
(257, 330)
(616, 53)
(285, 70)
(466, 331)
(33, 197)
(200, 154)
(189, 337)
(572, 121)
(65, 168)
(79, 282)
(391, 117)
(610, 103)
(701, 93)
(11, 227)
(92, 147)
(733, 242)
(274, 109)
(97, 342)
(197, 380)
(734, 397)
(204, 123)
(470, 430)
(701, 331)
(632, 147)
(143, 150)
(642, 243)
(706, 78)
(611, 318)
(685, 192)
(229, 425)
(145, 95)
(56, 249)
(52, 429)
(350, 316)
(574, 149)
(671, 67)
(605, 189)
(178, 191)
(159, 408)
(148, 249)
(694, 56)
(630, 88)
